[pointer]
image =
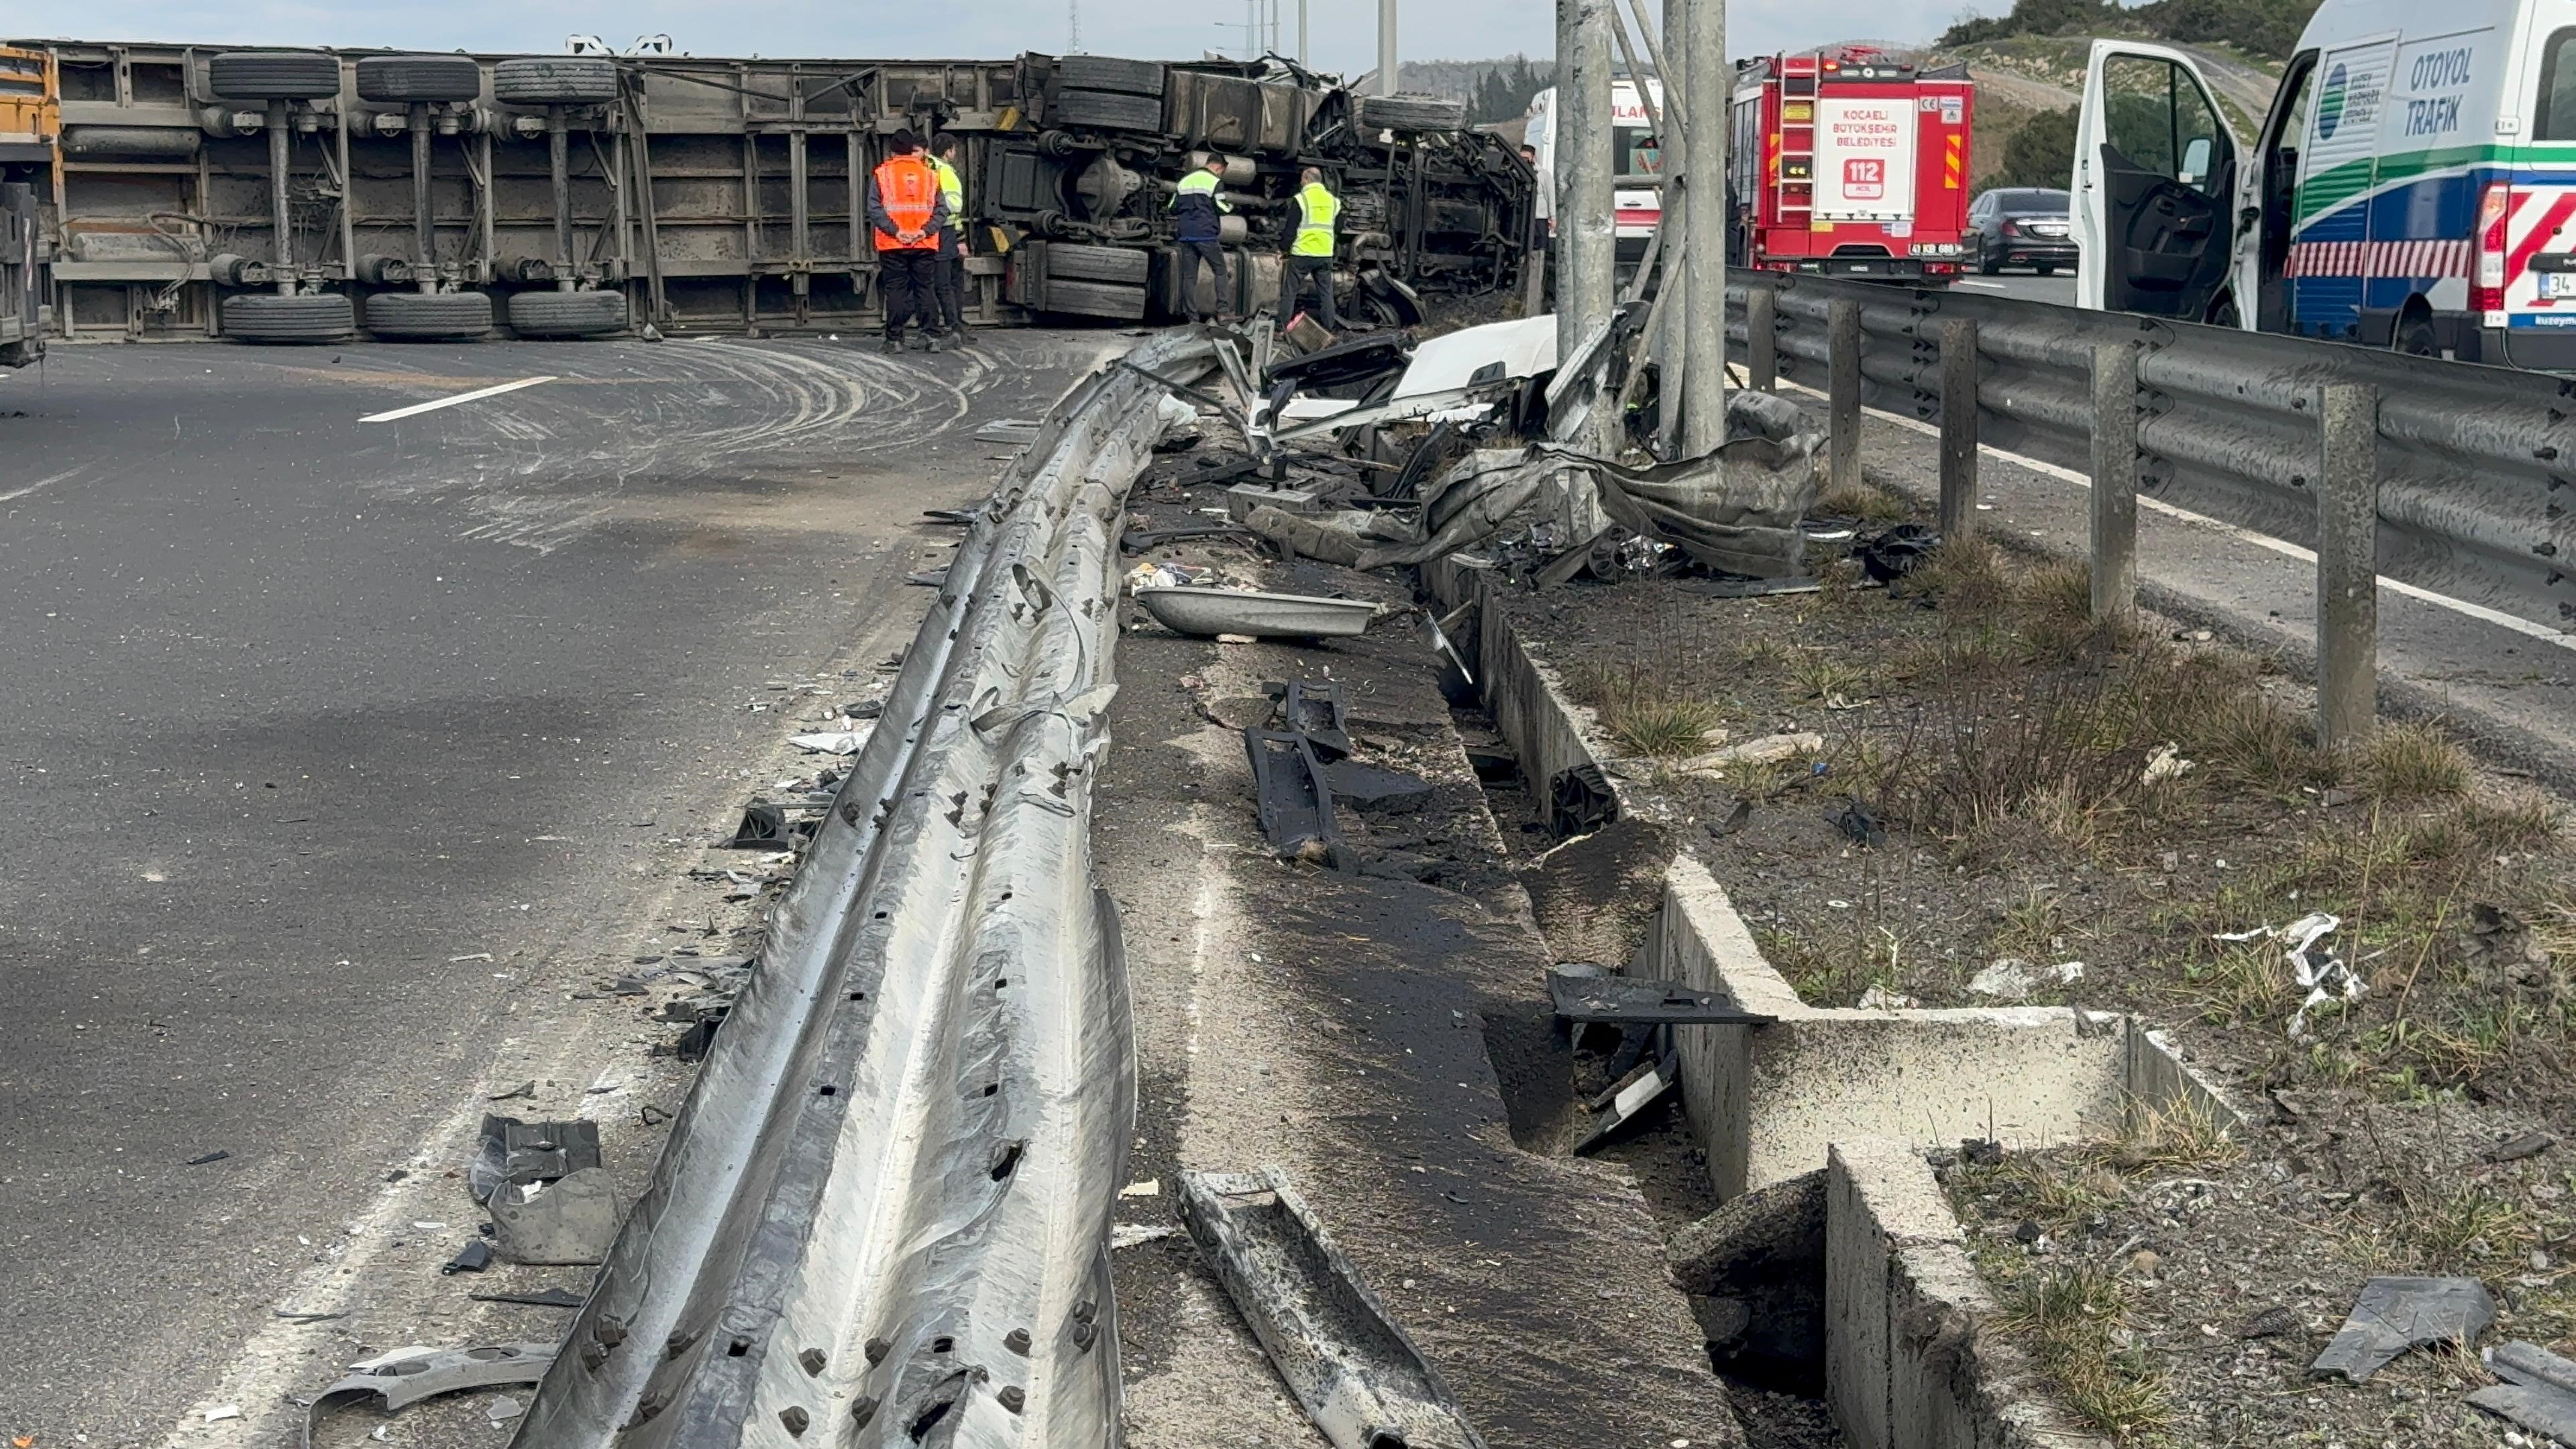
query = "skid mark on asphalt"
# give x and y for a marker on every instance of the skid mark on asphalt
(542, 470)
(65, 476)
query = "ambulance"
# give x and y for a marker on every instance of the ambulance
(1637, 161)
(2412, 187)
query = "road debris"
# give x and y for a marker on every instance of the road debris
(509, 1151)
(405, 1376)
(2013, 979)
(571, 1220)
(2516, 1148)
(474, 1257)
(1208, 612)
(2538, 1392)
(1625, 1104)
(1349, 1364)
(2395, 1315)
(836, 742)
(543, 1298)
(208, 1158)
(1129, 1235)
(2324, 980)
(2164, 763)
(1293, 800)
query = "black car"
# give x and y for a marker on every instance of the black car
(2020, 227)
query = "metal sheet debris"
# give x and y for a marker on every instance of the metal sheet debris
(2538, 1392)
(1209, 612)
(1584, 996)
(1351, 1367)
(571, 1220)
(2394, 1315)
(508, 1150)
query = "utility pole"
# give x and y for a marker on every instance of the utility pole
(1073, 25)
(1301, 32)
(1587, 236)
(1386, 62)
(1711, 109)
(1672, 347)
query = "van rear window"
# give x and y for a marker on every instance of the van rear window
(2557, 118)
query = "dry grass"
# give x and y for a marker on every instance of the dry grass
(1865, 501)
(2414, 762)
(2181, 1136)
(2074, 1317)
(1665, 729)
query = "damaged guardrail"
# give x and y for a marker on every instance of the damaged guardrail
(2470, 461)
(884, 1208)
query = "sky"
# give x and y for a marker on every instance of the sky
(1342, 33)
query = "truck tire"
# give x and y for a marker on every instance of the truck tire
(269, 317)
(1411, 113)
(1077, 262)
(1109, 73)
(1094, 299)
(407, 78)
(567, 314)
(1108, 111)
(555, 80)
(429, 314)
(273, 75)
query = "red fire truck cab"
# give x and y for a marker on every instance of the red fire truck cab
(1850, 162)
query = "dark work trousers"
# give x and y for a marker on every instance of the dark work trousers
(1293, 272)
(1193, 253)
(910, 281)
(952, 282)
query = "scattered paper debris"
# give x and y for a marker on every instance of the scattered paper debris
(1128, 1235)
(1150, 1187)
(221, 1412)
(2166, 763)
(836, 742)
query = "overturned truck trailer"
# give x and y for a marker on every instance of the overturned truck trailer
(306, 195)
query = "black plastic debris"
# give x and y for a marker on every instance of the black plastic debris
(1371, 789)
(1315, 711)
(473, 1258)
(514, 1152)
(1344, 364)
(2538, 1392)
(1589, 995)
(694, 1043)
(545, 1298)
(1579, 801)
(209, 1157)
(765, 826)
(1295, 803)
(1893, 553)
(2394, 1315)
(1858, 823)
(1623, 1106)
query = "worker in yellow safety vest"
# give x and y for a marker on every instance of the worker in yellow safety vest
(1310, 251)
(952, 237)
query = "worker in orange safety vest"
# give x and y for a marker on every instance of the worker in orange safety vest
(908, 209)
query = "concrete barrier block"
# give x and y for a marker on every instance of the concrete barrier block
(1880, 1197)
(2159, 1078)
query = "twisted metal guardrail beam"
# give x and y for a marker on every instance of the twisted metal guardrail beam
(882, 1215)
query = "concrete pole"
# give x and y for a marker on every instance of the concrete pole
(1301, 32)
(1672, 340)
(1710, 106)
(1387, 65)
(1587, 237)
(2348, 568)
(1958, 428)
(2115, 481)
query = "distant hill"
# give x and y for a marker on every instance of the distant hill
(2268, 28)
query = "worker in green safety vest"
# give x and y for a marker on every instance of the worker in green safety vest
(1310, 251)
(951, 289)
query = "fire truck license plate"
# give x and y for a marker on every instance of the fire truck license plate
(2555, 285)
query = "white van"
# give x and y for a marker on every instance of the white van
(1638, 161)
(2413, 187)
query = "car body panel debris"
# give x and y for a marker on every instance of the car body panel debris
(2393, 1315)
(511, 1151)
(1295, 803)
(1208, 612)
(1584, 997)
(474, 1257)
(1350, 1366)
(1316, 711)
(1374, 789)
(1629, 1102)
(406, 1376)
(571, 1220)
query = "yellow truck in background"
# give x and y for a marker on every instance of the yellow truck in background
(30, 121)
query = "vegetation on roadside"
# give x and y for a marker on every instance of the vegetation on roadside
(2265, 27)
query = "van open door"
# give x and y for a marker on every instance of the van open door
(2156, 168)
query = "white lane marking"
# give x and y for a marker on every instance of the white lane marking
(2479, 612)
(43, 483)
(1987, 286)
(449, 402)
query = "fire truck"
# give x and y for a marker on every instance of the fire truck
(1852, 163)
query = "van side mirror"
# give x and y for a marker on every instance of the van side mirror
(2195, 160)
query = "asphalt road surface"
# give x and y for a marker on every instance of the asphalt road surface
(2030, 286)
(332, 747)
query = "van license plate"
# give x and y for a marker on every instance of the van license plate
(2554, 285)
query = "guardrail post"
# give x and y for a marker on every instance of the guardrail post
(1762, 338)
(2115, 481)
(2348, 566)
(1958, 429)
(1842, 444)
